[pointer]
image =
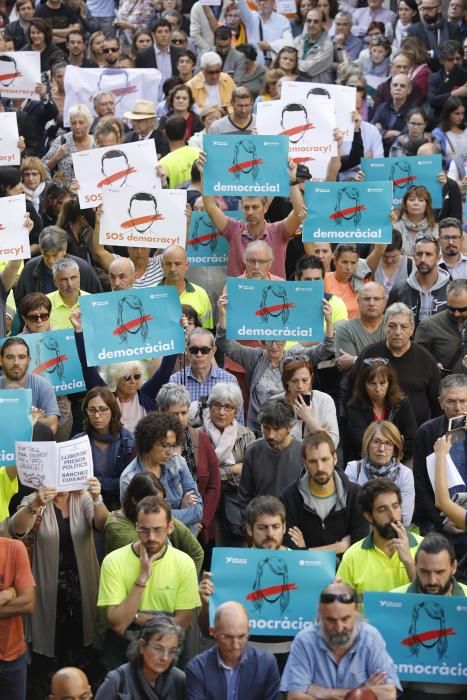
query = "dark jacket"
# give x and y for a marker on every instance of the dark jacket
(15, 32)
(159, 138)
(409, 293)
(448, 30)
(440, 335)
(440, 85)
(359, 417)
(146, 58)
(259, 676)
(345, 518)
(426, 515)
(31, 278)
(148, 392)
(123, 683)
(39, 113)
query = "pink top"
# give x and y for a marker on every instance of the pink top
(238, 237)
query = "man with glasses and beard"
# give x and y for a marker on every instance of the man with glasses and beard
(337, 652)
(383, 560)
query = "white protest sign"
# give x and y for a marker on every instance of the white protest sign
(343, 98)
(147, 218)
(374, 82)
(14, 236)
(9, 151)
(126, 84)
(114, 167)
(286, 7)
(310, 130)
(20, 71)
(65, 466)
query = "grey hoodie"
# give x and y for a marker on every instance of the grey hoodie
(423, 302)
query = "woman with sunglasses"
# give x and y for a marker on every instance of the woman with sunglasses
(381, 451)
(264, 364)
(377, 396)
(415, 217)
(111, 444)
(135, 397)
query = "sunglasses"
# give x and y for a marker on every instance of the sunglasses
(299, 358)
(109, 50)
(204, 350)
(213, 72)
(376, 361)
(345, 598)
(177, 41)
(459, 309)
(35, 318)
(137, 376)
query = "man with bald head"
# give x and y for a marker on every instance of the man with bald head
(232, 669)
(70, 684)
(175, 265)
(339, 651)
(121, 274)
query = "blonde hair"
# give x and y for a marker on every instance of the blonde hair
(389, 431)
(111, 374)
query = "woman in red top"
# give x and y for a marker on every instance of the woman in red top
(180, 101)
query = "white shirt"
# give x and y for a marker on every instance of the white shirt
(275, 30)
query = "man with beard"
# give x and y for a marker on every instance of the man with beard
(433, 30)
(383, 560)
(452, 258)
(322, 507)
(336, 650)
(149, 574)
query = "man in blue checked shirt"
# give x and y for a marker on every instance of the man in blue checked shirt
(339, 651)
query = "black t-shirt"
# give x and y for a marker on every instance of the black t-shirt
(59, 18)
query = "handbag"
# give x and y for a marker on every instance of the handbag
(30, 539)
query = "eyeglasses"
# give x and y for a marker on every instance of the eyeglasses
(445, 237)
(376, 361)
(296, 358)
(213, 72)
(97, 411)
(459, 309)
(168, 446)
(145, 531)
(111, 50)
(217, 405)
(35, 318)
(162, 651)
(452, 403)
(345, 598)
(203, 349)
(137, 376)
(233, 637)
(256, 261)
(382, 443)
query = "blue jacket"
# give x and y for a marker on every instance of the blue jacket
(119, 456)
(259, 677)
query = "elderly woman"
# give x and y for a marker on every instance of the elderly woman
(208, 116)
(151, 673)
(381, 454)
(230, 440)
(120, 528)
(58, 158)
(111, 444)
(198, 453)
(157, 438)
(135, 397)
(263, 365)
(34, 176)
(58, 527)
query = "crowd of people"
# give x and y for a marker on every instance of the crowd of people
(344, 445)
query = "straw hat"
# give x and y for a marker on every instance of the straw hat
(143, 109)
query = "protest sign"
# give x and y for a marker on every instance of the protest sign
(114, 167)
(426, 635)
(405, 172)
(65, 466)
(14, 236)
(270, 310)
(341, 98)
(133, 324)
(348, 212)
(54, 357)
(279, 588)
(308, 127)
(286, 7)
(126, 84)
(20, 71)
(147, 218)
(15, 422)
(9, 136)
(206, 247)
(246, 165)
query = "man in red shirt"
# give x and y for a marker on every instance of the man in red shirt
(17, 598)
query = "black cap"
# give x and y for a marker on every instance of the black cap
(302, 172)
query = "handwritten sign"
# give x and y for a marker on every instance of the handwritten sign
(65, 466)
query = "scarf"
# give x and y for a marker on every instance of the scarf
(162, 689)
(391, 470)
(189, 455)
(104, 437)
(223, 442)
(419, 227)
(437, 33)
(34, 196)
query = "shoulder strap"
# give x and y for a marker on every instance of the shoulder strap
(359, 468)
(122, 680)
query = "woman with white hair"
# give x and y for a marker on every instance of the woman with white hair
(58, 158)
(230, 440)
(211, 85)
(135, 396)
(199, 456)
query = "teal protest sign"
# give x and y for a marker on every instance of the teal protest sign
(274, 310)
(426, 635)
(348, 212)
(15, 422)
(132, 324)
(54, 357)
(405, 172)
(246, 165)
(206, 247)
(279, 588)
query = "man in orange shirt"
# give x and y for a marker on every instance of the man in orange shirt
(17, 598)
